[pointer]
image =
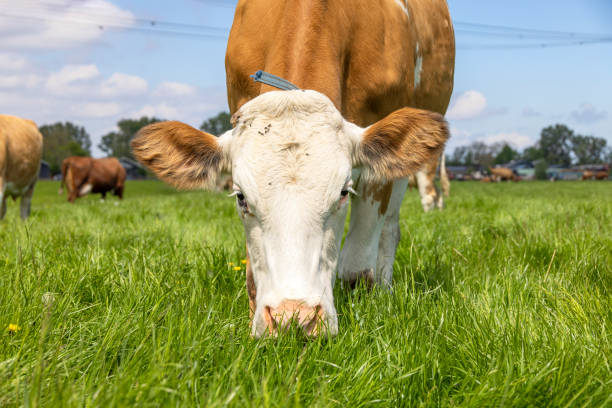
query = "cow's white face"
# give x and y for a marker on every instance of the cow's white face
(291, 155)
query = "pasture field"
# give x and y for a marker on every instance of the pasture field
(502, 299)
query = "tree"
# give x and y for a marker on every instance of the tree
(506, 154)
(61, 140)
(540, 170)
(117, 144)
(532, 153)
(588, 149)
(477, 154)
(555, 144)
(217, 125)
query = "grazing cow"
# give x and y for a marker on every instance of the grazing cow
(503, 174)
(595, 175)
(294, 154)
(84, 175)
(20, 155)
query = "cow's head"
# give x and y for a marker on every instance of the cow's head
(291, 155)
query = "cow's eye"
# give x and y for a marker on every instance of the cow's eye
(346, 191)
(241, 200)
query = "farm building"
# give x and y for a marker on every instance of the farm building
(45, 170)
(458, 172)
(133, 169)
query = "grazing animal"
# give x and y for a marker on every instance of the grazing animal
(595, 175)
(20, 155)
(503, 174)
(84, 175)
(295, 156)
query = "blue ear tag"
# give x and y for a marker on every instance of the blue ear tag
(273, 80)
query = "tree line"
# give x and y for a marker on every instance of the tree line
(64, 139)
(557, 145)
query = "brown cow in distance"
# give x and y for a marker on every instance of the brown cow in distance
(595, 175)
(503, 174)
(20, 155)
(84, 175)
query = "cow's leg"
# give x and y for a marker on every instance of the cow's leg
(390, 237)
(430, 195)
(119, 191)
(26, 202)
(2, 199)
(360, 254)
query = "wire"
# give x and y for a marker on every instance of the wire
(528, 38)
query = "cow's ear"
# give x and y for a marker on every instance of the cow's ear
(399, 144)
(181, 155)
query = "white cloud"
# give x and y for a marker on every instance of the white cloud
(162, 111)
(469, 104)
(96, 109)
(123, 84)
(19, 81)
(58, 24)
(170, 89)
(70, 77)
(12, 62)
(587, 113)
(514, 139)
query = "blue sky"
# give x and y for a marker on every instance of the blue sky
(57, 64)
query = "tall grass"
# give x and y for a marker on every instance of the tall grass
(502, 299)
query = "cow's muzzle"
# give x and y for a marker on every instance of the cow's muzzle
(309, 318)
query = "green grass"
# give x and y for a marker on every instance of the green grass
(503, 299)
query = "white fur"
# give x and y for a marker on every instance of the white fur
(86, 189)
(403, 6)
(291, 158)
(418, 67)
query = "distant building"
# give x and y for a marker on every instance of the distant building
(133, 169)
(45, 170)
(457, 172)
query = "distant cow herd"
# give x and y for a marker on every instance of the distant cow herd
(21, 147)
(21, 154)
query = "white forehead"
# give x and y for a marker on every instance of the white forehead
(286, 138)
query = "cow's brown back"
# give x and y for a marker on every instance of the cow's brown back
(20, 152)
(96, 175)
(363, 54)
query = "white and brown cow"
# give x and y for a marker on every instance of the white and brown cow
(295, 155)
(20, 155)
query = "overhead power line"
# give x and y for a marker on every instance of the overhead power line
(524, 37)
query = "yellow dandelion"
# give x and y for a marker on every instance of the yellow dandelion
(243, 261)
(237, 268)
(231, 264)
(13, 328)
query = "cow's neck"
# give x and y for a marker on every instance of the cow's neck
(307, 49)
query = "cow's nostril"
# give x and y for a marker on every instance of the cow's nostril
(309, 318)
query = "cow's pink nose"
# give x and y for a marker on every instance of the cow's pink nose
(309, 318)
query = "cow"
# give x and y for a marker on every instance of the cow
(374, 79)
(595, 175)
(84, 175)
(20, 155)
(503, 173)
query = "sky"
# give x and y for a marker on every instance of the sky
(94, 62)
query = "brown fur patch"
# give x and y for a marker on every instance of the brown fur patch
(178, 154)
(20, 151)
(103, 175)
(403, 142)
(380, 193)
